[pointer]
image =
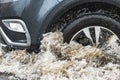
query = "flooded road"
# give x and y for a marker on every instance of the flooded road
(60, 61)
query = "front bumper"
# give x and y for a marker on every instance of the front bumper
(9, 38)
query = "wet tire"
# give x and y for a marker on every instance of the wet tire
(90, 20)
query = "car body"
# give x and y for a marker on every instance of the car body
(35, 16)
(29, 13)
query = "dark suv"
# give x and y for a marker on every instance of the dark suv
(89, 22)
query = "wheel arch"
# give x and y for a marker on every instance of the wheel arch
(66, 5)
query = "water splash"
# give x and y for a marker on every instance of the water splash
(60, 61)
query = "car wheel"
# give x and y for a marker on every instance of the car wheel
(92, 29)
(97, 30)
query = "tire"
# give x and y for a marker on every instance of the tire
(90, 20)
(98, 30)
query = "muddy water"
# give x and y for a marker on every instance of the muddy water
(60, 61)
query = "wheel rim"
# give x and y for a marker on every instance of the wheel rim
(97, 36)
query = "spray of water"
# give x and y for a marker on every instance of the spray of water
(60, 61)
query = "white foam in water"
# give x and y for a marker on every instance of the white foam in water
(59, 61)
(0, 51)
(113, 47)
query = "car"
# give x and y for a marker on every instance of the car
(89, 22)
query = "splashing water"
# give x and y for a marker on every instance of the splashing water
(112, 47)
(60, 61)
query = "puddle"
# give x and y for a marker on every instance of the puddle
(61, 61)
